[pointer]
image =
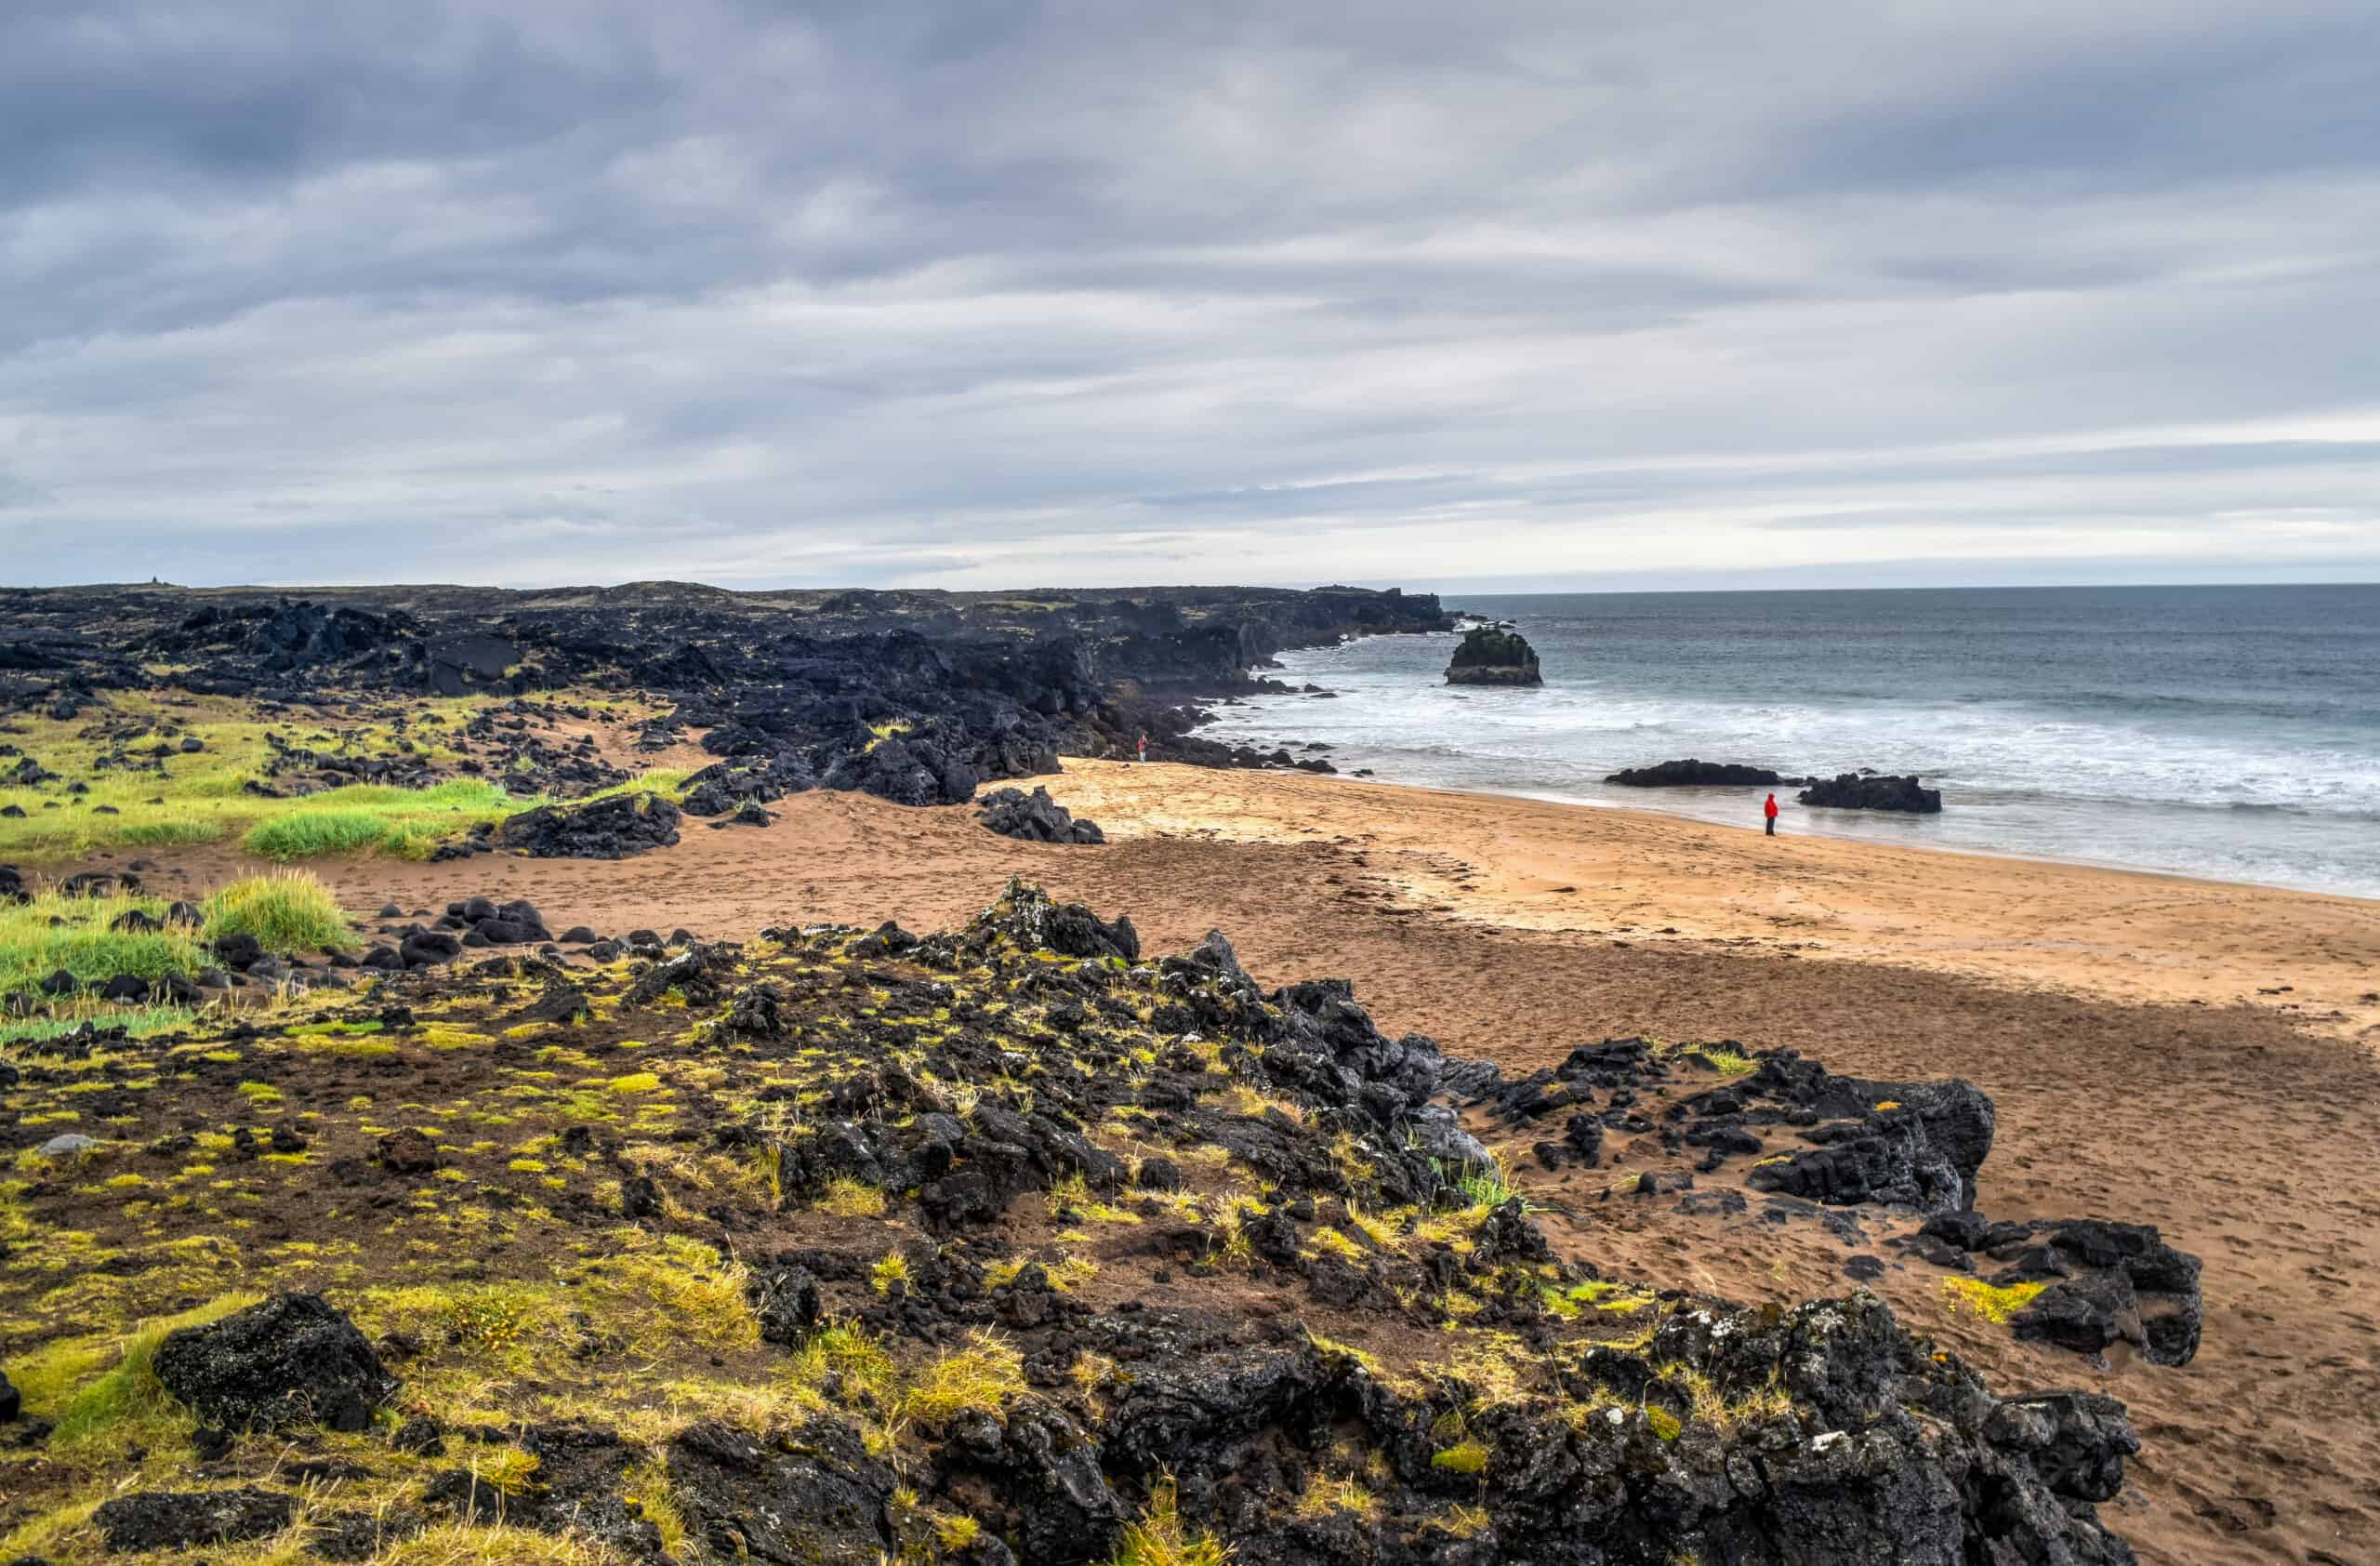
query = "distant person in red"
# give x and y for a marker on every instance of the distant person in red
(1144, 745)
(1769, 810)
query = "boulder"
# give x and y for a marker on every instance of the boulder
(425, 947)
(916, 768)
(1493, 656)
(239, 953)
(1034, 818)
(785, 1300)
(2077, 1440)
(290, 1361)
(1869, 790)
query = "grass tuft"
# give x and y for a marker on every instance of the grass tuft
(1159, 1538)
(847, 1198)
(288, 911)
(980, 1377)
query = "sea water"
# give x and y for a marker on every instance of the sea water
(2224, 731)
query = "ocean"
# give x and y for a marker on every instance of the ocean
(2225, 732)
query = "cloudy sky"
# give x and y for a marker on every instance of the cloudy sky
(995, 292)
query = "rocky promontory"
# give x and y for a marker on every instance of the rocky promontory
(913, 696)
(1493, 656)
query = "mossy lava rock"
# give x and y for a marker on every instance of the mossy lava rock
(1491, 655)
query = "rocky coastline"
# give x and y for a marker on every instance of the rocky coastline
(996, 1244)
(913, 696)
(1015, 1242)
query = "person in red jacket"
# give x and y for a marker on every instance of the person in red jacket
(1769, 810)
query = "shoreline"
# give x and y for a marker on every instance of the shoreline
(2112, 932)
(2285, 838)
(1955, 850)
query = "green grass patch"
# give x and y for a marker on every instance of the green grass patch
(142, 1022)
(669, 781)
(979, 1378)
(51, 932)
(287, 912)
(205, 796)
(1157, 1539)
(374, 819)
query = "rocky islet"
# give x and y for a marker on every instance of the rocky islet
(1493, 654)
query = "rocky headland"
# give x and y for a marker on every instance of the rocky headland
(913, 696)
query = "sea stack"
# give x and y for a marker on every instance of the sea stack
(1493, 656)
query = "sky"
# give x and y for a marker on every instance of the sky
(1003, 293)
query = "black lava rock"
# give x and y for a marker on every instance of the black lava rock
(1693, 774)
(606, 829)
(1868, 791)
(289, 1361)
(814, 1498)
(171, 1519)
(1034, 818)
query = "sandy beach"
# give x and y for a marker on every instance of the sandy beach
(1645, 877)
(2185, 1054)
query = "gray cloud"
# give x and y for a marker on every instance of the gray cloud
(767, 292)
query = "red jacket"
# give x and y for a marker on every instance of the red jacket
(1770, 808)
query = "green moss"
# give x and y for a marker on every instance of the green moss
(1665, 1423)
(1466, 1456)
(1996, 1304)
(847, 1198)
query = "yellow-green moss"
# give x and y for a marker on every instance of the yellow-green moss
(1996, 1304)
